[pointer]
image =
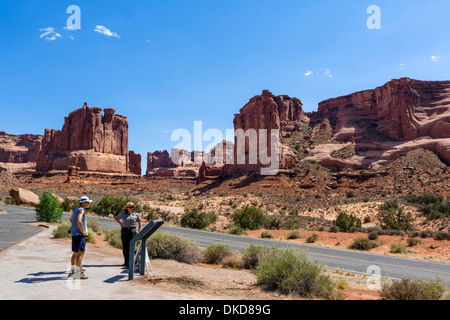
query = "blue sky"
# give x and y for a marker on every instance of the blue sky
(166, 64)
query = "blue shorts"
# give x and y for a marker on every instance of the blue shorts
(78, 243)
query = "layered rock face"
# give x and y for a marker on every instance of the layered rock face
(402, 115)
(19, 152)
(268, 117)
(89, 140)
(181, 163)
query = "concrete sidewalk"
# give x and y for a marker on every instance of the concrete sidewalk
(37, 268)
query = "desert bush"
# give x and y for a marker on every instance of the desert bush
(290, 271)
(345, 221)
(373, 235)
(113, 238)
(294, 234)
(49, 209)
(391, 216)
(94, 224)
(69, 206)
(334, 229)
(62, 231)
(238, 231)
(111, 205)
(197, 220)
(350, 194)
(431, 205)
(252, 255)
(398, 247)
(233, 262)
(363, 244)
(165, 246)
(249, 217)
(407, 289)
(413, 241)
(266, 234)
(441, 235)
(312, 238)
(215, 253)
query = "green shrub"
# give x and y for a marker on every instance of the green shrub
(165, 246)
(398, 247)
(111, 205)
(49, 209)
(197, 220)
(113, 238)
(252, 255)
(215, 253)
(373, 235)
(345, 221)
(249, 217)
(62, 231)
(69, 206)
(431, 205)
(391, 216)
(290, 271)
(407, 289)
(363, 244)
(350, 194)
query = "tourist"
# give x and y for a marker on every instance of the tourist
(128, 221)
(79, 235)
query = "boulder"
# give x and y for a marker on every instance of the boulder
(23, 196)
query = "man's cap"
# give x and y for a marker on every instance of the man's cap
(85, 199)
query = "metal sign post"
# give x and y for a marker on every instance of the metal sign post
(145, 233)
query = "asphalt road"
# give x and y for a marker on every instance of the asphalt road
(14, 227)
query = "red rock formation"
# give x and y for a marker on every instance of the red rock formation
(89, 140)
(134, 163)
(266, 111)
(386, 122)
(19, 148)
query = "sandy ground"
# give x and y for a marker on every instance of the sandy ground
(37, 268)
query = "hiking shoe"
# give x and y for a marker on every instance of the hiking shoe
(83, 276)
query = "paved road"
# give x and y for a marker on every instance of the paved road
(333, 258)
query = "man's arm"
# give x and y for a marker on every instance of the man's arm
(80, 222)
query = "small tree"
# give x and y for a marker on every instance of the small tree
(49, 210)
(391, 216)
(197, 220)
(345, 221)
(250, 218)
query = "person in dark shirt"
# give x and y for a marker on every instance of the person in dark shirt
(128, 221)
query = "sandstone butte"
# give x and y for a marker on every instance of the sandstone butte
(19, 153)
(89, 140)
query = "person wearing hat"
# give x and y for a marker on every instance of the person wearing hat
(78, 231)
(128, 221)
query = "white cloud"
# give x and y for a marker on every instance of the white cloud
(435, 58)
(401, 66)
(327, 73)
(308, 73)
(105, 31)
(49, 34)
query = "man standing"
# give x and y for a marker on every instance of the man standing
(79, 234)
